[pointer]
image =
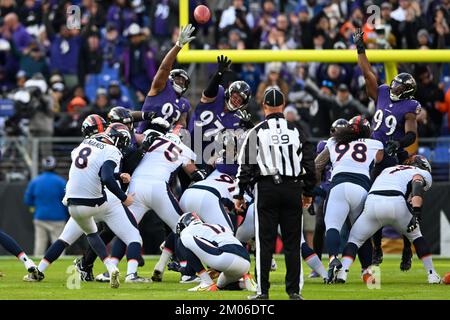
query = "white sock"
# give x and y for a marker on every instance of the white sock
(114, 261)
(132, 266)
(43, 265)
(346, 263)
(314, 263)
(206, 279)
(428, 264)
(163, 260)
(28, 263)
(110, 265)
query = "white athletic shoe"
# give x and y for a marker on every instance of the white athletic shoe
(204, 287)
(189, 279)
(114, 280)
(103, 277)
(34, 275)
(134, 278)
(248, 283)
(341, 276)
(273, 266)
(434, 278)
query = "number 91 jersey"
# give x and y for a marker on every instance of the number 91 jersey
(355, 157)
(389, 119)
(84, 175)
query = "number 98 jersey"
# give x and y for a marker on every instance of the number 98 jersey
(84, 175)
(355, 157)
(388, 122)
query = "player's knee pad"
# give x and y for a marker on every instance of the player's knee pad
(422, 247)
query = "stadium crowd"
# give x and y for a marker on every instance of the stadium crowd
(54, 76)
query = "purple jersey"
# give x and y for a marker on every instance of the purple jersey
(389, 118)
(167, 104)
(209, 119)
(326, 175)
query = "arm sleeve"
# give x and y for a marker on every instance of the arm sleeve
(248, 168)
(307, 163)
(108, 179)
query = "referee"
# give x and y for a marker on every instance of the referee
(276, 156)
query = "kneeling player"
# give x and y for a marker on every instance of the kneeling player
(215, 246)
(386, 204)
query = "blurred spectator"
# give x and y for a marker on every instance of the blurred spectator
(21, 78)
(428, 94)
(291, 115)
(163, 20)
(30, 14)
(7, 6)
(272, 80)
(440, 29)
(121, 14)
(44, 196)
(69, 125)
(15, 31)
(229, 15)
(100, 105)
(115, 96)
(92, 14)
(33, 60)
(251, 74)
(64, 54)
(111, 45)
(139, 64)
(91, 55)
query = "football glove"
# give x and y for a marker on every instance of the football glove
(358, 39)
(199, 175)
(185, 35)
(391, 147)
(223, 64)
(414, 222)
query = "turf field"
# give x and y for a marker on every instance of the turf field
(394, 284)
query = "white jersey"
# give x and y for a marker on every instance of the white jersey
(213, 233)
(398, 177)
(223, 183)
(84, 175)
(164, 157)
(354, 157)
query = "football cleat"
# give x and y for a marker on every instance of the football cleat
(34, 275)
(377, 256)
(141, 261)
(174, 266)
(157, 276)
(313, 275)
(273, 266)
(262, 296)
(204, 287)
(248, 283)
(406, 262)
(86, 273)
(367, 276)
(103, 277)
(189, 279)
(114, 279)
(341, 276)
(214, 274)
(134, 278)
(334, 266)
(434, 278)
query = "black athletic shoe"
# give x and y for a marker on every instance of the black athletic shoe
(377, 256)
(259, 297)
(141, 261)
(405, 265)
(295, 296)
(157, 276)
(334, 266)
(174, 266)
(86, 273)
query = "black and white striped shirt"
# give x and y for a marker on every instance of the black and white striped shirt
(272, 146)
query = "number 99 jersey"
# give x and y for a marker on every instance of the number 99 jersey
(84, 175)
(389, 119)
(355, 157)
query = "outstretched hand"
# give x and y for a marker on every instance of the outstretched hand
(185, 35)
(224, 63)
(358, 39)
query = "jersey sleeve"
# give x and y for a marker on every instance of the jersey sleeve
(321, 146)
(376, 145)
(413, 106)
(187, 155)
(428, 179)
(185, 105)
(114, 155)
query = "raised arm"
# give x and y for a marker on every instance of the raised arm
(369, 76)
(159, 82)
(210, 93)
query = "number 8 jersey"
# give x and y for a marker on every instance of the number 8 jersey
(389, 119)
(355, 157)
(84, 175)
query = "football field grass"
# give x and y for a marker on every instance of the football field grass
(61, 276)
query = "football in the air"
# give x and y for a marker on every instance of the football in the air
(202, 14)
(446, 278)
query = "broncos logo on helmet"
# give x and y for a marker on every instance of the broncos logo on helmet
(93, 124)
(118, 135)
(121, 115)
(419, 161)
(186, 219)
(361, 126)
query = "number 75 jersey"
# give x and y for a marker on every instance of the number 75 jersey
(388, 122)
(355, 157)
